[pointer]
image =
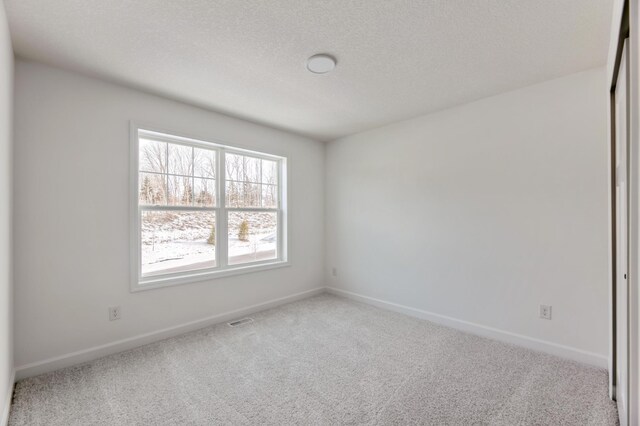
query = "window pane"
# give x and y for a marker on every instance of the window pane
(180, 160)
(253, 236)
(251, 170)
(242, 168)
(205, 190)
(251, 182)
(152, 189)
(173, 241)
(269, 172)
(180, 191)
(152, 156)
(269, 196)
(234, 167)
(204, 163)
(242, 194)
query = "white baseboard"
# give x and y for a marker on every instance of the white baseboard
(85, 355)
(6, 404)
(556, 349)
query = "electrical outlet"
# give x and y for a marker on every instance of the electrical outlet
(545, 312)
(334, 272)
(115, 313)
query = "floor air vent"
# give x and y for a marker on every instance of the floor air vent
(240, 322)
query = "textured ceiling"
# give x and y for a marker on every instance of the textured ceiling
(396, 58)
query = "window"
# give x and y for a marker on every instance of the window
(202, 209)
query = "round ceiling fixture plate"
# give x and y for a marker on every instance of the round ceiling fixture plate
(321, 64)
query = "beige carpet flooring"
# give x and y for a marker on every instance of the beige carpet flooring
(320, 361)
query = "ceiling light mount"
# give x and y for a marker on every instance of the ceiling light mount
(321, 63)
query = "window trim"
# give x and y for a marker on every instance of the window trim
(222, 269)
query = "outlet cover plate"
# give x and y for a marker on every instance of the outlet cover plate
(545, 312)
(115, 313)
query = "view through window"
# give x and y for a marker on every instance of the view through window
(204, 207)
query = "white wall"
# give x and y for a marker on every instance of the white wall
(6, 108)
(71, 214)
(482, 212)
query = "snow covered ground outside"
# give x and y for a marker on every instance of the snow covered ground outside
(188, 255)
(177, 241)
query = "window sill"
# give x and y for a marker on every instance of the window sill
(160, 282)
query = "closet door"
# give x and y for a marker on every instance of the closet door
(622, 226)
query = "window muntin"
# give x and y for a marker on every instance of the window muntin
(190, 223)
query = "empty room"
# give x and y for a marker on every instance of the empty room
(319, 212)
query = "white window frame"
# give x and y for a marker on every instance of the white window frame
(222, 269)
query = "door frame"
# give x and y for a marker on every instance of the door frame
(625, 25)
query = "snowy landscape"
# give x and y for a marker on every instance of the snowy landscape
(186, 176)
(174, 241)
